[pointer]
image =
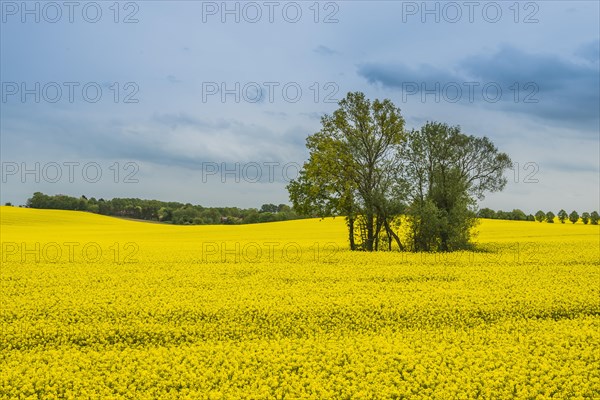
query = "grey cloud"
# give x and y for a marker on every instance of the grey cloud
(548, 87)
(324, 51)
(590, 51)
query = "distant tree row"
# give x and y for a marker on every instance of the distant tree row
(514, 215)
(169, 212)
(562, 215)
(540, 216)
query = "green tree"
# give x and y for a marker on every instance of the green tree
(574, 216)
(283, 208)
(38, 200)
(518, 215)
(364, 166)
(585, 217)
(165, 214)
(594, 217)
(325, 185)
(82, 203)
(562, 216)
(266, 217)
(349, 159)
(540, 216)
(251, 217)
(486, 213)
(210, 216)
(270, 208)
(445, 172)
(550, 217)
(185, 215)
(503, 215)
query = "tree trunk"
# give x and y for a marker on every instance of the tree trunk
(351, 233)
(377, 231)
(369, 244)
(444, 244)
(392, 234)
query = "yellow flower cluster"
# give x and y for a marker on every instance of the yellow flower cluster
(98, 307)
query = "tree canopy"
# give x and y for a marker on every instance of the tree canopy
(364, 165)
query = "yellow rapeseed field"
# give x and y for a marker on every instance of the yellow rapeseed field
(102, 308)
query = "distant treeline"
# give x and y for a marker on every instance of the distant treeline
(169, 212)
(188, 214)
(514, 215)
(540, 216)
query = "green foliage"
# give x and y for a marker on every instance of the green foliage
(446, 172)
(268, 208)
(169, 212)
(350, 170)
(574, 216)
(594, 217)
(364, 166)
(514, 215)
(185, 215)
(550, 217)
(562, 216)
(540, 216)
(518, 215)
(486, 213)
(585, 217)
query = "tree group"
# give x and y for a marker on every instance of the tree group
(514, 215)
(562, 215)
(365, 166)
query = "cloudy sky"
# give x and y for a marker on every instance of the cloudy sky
(211, 102)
